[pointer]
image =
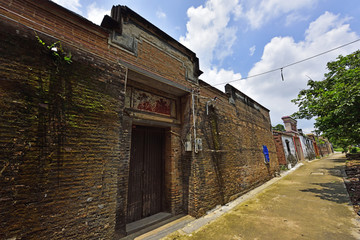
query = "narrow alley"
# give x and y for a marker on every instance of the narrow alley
(116, 129)
(310, 203)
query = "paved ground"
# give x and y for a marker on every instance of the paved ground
(310, 203)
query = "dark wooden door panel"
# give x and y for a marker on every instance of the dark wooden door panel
(146, 173)
(153, 173)
(134, 210)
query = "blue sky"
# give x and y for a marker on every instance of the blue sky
(238, 38)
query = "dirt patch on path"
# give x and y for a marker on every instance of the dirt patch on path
(352, 182)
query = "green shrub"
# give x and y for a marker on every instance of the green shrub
(283, 168)
(338, 149)
(353, 150)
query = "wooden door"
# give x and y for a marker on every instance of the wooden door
(299, 149)
(146, 173)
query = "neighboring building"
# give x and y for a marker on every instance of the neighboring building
(292, 145)
(315, 146)
(325, 147)
(286, 149)
(291, 128)
(122, 131)
(303, 144)
(280, 150)
(307, 146)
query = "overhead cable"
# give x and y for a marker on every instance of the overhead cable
(291, 64)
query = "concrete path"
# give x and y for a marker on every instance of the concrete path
(310, 203)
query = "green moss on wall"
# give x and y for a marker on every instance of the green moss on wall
(59, 141)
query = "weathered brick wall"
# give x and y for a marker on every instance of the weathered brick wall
(165, 57)
(153, 53)
(46, 16)
(75, 129)
(232, 160)
(291, 156)
(307, 147)
(158, 61)
(279, 148)
(65, 142)
(122, 171)
(173, 175)
(59, 146)
(325, 148)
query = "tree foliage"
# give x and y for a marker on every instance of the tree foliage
(335, 101)
(279, 127)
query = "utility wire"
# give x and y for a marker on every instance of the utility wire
(291, 64)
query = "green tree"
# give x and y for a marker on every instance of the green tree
(335, 101)
(279, 127)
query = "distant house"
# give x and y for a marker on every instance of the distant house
(286, 150)
(324, 147)
(292, 145)
(307, 146)
(104, 126)
(315, 146)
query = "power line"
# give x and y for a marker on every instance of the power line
(291, 64)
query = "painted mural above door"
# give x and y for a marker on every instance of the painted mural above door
(151, 103)
(144, 101)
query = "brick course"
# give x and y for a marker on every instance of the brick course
(232, 161)
(279, 148)
(60, 125)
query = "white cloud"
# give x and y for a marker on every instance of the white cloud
(252, 50)
(207, 30)
(325, 33)
(96, 14)
(216, 77)
(237, 11)
(211, 38)
(295, 17)
(160, 14)
(262, 11)
(325, 23)
(73, 5)
(227, 40)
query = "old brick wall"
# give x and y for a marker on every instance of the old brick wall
(308, 147)
(153, 49)
(291, 156)
(153, 53)
(232, 161)
(76, 118)
(66, 143)
(59, 147)
(325, 147)
(279, 148)
(173, 174)
(65, 140)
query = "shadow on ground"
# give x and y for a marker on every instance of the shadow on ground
(339, 160)
(333, 192)
(337, 171)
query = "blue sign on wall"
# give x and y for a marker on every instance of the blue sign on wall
(266, 154)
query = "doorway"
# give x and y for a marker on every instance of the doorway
(146, 173)
(299, 148)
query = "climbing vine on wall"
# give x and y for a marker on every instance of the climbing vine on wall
(55, 92)
(56, 50)
(211, 129)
